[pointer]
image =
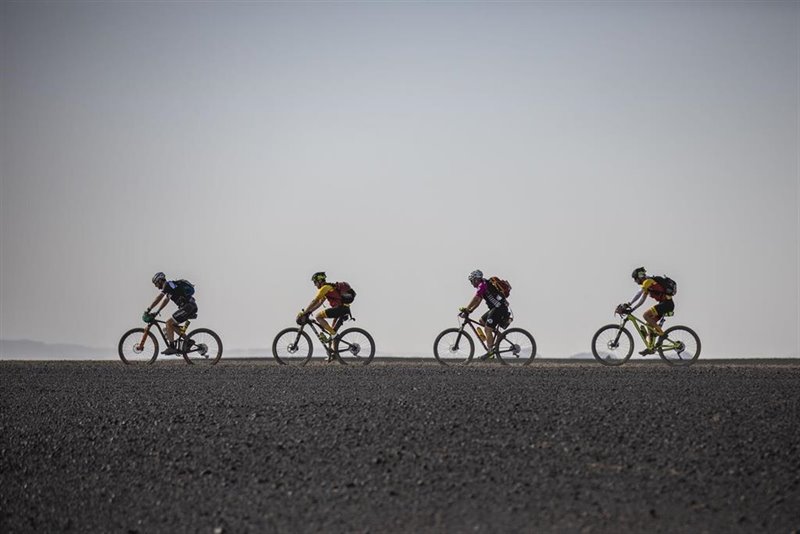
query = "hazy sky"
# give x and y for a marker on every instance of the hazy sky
(399, 146)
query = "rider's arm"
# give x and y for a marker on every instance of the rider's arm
(318, 300)
(474, 303)
(314, 304)
(155, 303)
(641, 295)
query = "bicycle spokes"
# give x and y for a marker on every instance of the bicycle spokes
(679, 346)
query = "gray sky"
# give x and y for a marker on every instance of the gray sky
(399, 146)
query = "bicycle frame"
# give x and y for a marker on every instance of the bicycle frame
(317, 329)
(181, 331)
(638, 324)
(472, 324)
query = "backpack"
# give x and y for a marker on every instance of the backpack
(347, 293)
(670, 286)
(185, 288)
(501, 286)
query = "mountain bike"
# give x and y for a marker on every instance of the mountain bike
(454, 346)
(613, 343)
(293, 346)
(200, 346)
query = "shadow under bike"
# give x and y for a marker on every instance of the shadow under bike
(613, 344)
(293, 345)
(200, 346)
(513, 346)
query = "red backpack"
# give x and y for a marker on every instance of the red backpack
(347, 293)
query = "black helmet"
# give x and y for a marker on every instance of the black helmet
(319, 276)
(638, 273)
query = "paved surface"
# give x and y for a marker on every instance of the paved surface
(252, 446)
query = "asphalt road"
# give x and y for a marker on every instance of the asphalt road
(251, 446)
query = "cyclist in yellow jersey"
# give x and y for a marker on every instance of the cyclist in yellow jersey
(649, 287)
(338, 308)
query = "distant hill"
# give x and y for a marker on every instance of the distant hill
(25, 349)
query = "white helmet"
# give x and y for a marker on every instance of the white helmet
(475, 275)
(159, 277)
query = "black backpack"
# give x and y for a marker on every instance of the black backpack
(670, 286)
(185, 288)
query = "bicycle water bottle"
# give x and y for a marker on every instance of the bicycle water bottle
(481, 334)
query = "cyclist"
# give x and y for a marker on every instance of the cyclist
(327, 291)
(649, 287)
(181, 293)
(498, 314)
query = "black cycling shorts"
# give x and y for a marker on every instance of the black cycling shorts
(664, 307)
(335, 313)
(185, 312)
(496, 317)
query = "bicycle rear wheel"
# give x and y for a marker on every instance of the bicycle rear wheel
(612, 345)
(292, 347)
(203, 347)
(453, 347)
(354, 346)
(679, 346)
(515, 346)
(131, 353)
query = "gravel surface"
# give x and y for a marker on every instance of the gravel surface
(399, 447)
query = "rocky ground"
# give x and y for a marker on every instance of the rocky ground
(399, 447)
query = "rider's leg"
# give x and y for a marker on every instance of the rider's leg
(654, 315)
(320, 318)
(171, 327)
(489, 337)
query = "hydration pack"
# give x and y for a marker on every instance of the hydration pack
(670, 286)
(347, 293)
(500, 286)
(185, 288)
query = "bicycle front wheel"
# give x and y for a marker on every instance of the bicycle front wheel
(202, 347)
(612, 345)
(515, 346)
(133, 350)
(679, 346)
(453, 347)
(354, 346)
(292, 346)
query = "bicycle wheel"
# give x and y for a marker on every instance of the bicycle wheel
(515, 346)
(292, 347)
(453, 347)
(203, 347)
(354, 346)
(131, 353)
(679, 346)
(612, 345)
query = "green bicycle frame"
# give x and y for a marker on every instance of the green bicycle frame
(638, 324)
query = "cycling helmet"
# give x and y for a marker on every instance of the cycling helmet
(475, 276)
(318, 277)
(159, 277)
(639, 273)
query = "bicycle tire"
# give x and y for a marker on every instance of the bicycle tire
(286, 352)
(690, 342)
(354, 346)
(607, 337)
(447, 348)
(127, 352)
(205, 349)
(515, 346)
